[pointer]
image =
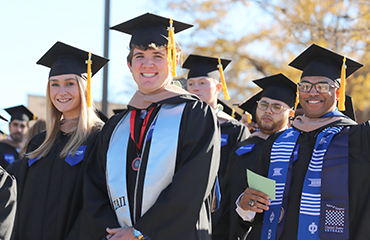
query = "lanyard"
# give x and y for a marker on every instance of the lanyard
(132, 126)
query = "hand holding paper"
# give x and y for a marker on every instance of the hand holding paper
(261, 183)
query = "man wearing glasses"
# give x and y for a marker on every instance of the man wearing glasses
(321, 165)
(273, 107)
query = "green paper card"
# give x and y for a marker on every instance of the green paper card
(261, 183)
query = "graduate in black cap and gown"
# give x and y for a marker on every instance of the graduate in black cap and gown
(154, 168)
(50, 178)
(8, 199)
(271, 109)
(321, 165)
(204, 81)
(18, 127)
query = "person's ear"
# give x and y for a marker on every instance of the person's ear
(218, 87)
(337, 94)
(129, 66)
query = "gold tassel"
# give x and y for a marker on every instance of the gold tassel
(233, 112)
(342, 89)
(171, 48)
(88, 97)
(249, 120)
(224, 87)
(296, 99)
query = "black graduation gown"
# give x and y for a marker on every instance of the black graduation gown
(232, 132)
(50, 193)
(176, 212)
(235, 133)
(7, 149)
(230, 225)
(359, 181)
(8, 197)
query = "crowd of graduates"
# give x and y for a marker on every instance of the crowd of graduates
(173, 165)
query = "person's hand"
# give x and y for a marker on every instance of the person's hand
(254, 200)
(120, 234)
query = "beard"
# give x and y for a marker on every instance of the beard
(16, 137)
(272, 126)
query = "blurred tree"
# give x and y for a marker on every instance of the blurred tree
(263, 36)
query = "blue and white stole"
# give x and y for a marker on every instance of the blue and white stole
(281, 155)
(309, 213)
(163, 133)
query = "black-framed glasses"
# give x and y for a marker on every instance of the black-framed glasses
(321, 87)
(275, 107)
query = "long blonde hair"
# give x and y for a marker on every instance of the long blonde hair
(87, 122)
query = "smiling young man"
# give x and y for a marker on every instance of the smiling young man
(321, 165)
(272, 108)
(18, 127)
(155, 166)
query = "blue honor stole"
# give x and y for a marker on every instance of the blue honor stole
(281, 153)
(309, 214)
(330, 199)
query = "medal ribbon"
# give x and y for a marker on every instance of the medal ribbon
(132, 126)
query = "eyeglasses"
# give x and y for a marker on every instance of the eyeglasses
(321, 87)
(275, 107)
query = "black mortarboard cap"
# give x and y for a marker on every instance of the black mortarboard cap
(20, 112)
(250, 105)
(149, 28)
(116, 111)
(278, 87)
(1, 117)
(319, 61)
(65, 59)
(229, 110)
(202, 66)
(350, 110)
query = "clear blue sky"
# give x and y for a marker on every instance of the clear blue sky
(30, 27)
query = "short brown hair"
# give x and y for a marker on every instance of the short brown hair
(150, 46)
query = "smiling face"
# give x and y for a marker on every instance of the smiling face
(316, 104)
(150, 69)
(206, 88)
(65, 95)
(270, 122)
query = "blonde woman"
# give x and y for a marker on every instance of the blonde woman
(50, 177)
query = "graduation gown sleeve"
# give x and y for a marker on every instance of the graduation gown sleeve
(8, 195)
